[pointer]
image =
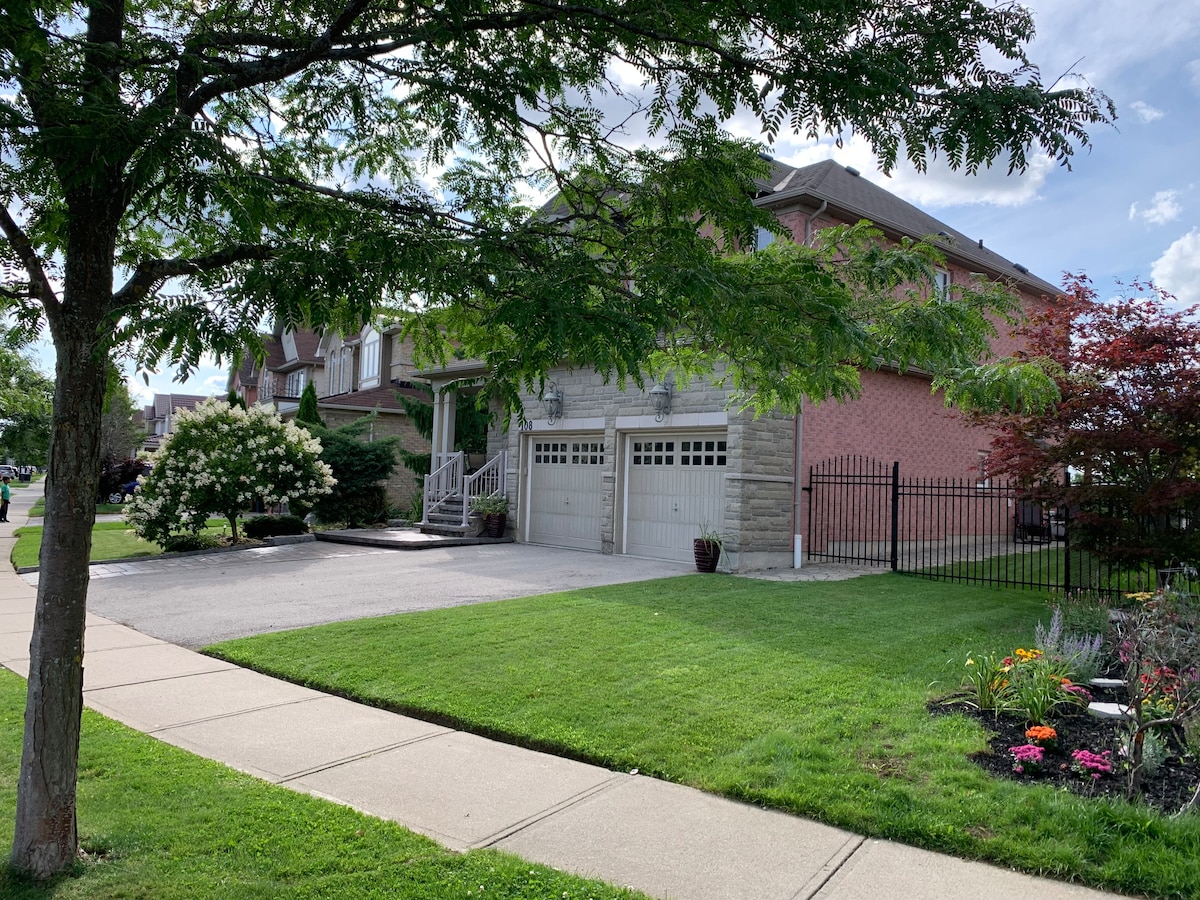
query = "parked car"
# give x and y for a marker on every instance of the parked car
(8, 472)
(118, 480)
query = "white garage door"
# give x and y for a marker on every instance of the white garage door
(674, 485)
(565, 486)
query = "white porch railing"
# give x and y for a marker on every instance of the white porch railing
(449, 483)
(443, 483)
(490, 480)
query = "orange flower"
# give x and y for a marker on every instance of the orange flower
(1041, 734)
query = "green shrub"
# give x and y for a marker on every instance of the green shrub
(360, 467)
(269, 526)
(179, 543)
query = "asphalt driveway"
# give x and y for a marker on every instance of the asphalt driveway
(199, 600)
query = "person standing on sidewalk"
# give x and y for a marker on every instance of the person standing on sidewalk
(5, 496)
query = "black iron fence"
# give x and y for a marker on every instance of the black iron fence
(981, 531)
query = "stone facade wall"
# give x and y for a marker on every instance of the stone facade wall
(759, 483)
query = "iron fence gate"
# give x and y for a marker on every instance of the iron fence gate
(971, 530)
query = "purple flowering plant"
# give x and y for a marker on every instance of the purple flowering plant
(1027, 758)
(1092, 764)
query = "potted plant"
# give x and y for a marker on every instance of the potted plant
(707, 550)
(494, 509)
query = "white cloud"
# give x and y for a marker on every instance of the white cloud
(208, 380)
(1162, 209)
(1178, 269)
(938, 186)
(1120, 38)
(1145, 111)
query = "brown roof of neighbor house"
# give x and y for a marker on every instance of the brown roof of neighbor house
(275, 357)
(383, 398)
(857, 198)
(243, 373)
(306, 346)
(164, 404)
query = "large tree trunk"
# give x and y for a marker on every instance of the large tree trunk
(45, 841)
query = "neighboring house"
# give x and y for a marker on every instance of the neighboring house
(243, 380)
(641, 472)
(353, 376)
(158, 417)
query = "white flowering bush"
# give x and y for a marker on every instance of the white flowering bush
(219, 461)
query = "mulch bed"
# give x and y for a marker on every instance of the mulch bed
(1171, 787)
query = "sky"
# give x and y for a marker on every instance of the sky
(1129, 208)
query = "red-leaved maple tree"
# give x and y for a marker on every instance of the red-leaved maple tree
(1127, 426)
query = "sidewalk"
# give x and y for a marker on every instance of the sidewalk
(466, 792)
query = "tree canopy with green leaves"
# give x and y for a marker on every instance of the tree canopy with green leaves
(25, 405)
(173, 172)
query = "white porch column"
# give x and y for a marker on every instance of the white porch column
(449, 406)
(435, 439)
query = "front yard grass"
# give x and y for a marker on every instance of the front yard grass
(160, 823)
(110, 541)
(39, 507)
(806, 697)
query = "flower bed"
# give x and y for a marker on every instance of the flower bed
(1038, 719)
(1168, 789)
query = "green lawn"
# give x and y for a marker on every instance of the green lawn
(110, 541)
(39, 507)
(805, 697)
(161, 823)
(1044, 564)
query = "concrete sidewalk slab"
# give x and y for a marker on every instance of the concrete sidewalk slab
(460, 789)
(673, 841)
(282, 742)
(15, 604)
(111, 636)
(16, 622)
(882, 870)
(14, 645)
(154, 705)
(16, 590)
(152, 662)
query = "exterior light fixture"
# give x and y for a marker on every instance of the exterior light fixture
(552, 400)
(660, 394)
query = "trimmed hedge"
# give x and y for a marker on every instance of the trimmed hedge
(179, 543)
(270, 526)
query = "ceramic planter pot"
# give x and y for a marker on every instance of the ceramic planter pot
(708, 553)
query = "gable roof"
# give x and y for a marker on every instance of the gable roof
(306, 346)
(855, 197)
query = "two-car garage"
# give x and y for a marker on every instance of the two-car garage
(670, 485)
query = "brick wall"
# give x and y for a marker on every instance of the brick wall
(402, 487)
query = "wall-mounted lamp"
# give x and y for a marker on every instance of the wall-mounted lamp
(552, 400)
(660, 395)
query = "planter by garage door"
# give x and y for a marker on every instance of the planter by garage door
(674, 484)
(565, 485)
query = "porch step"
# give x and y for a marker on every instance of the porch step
(446, 519)
(445, 530)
